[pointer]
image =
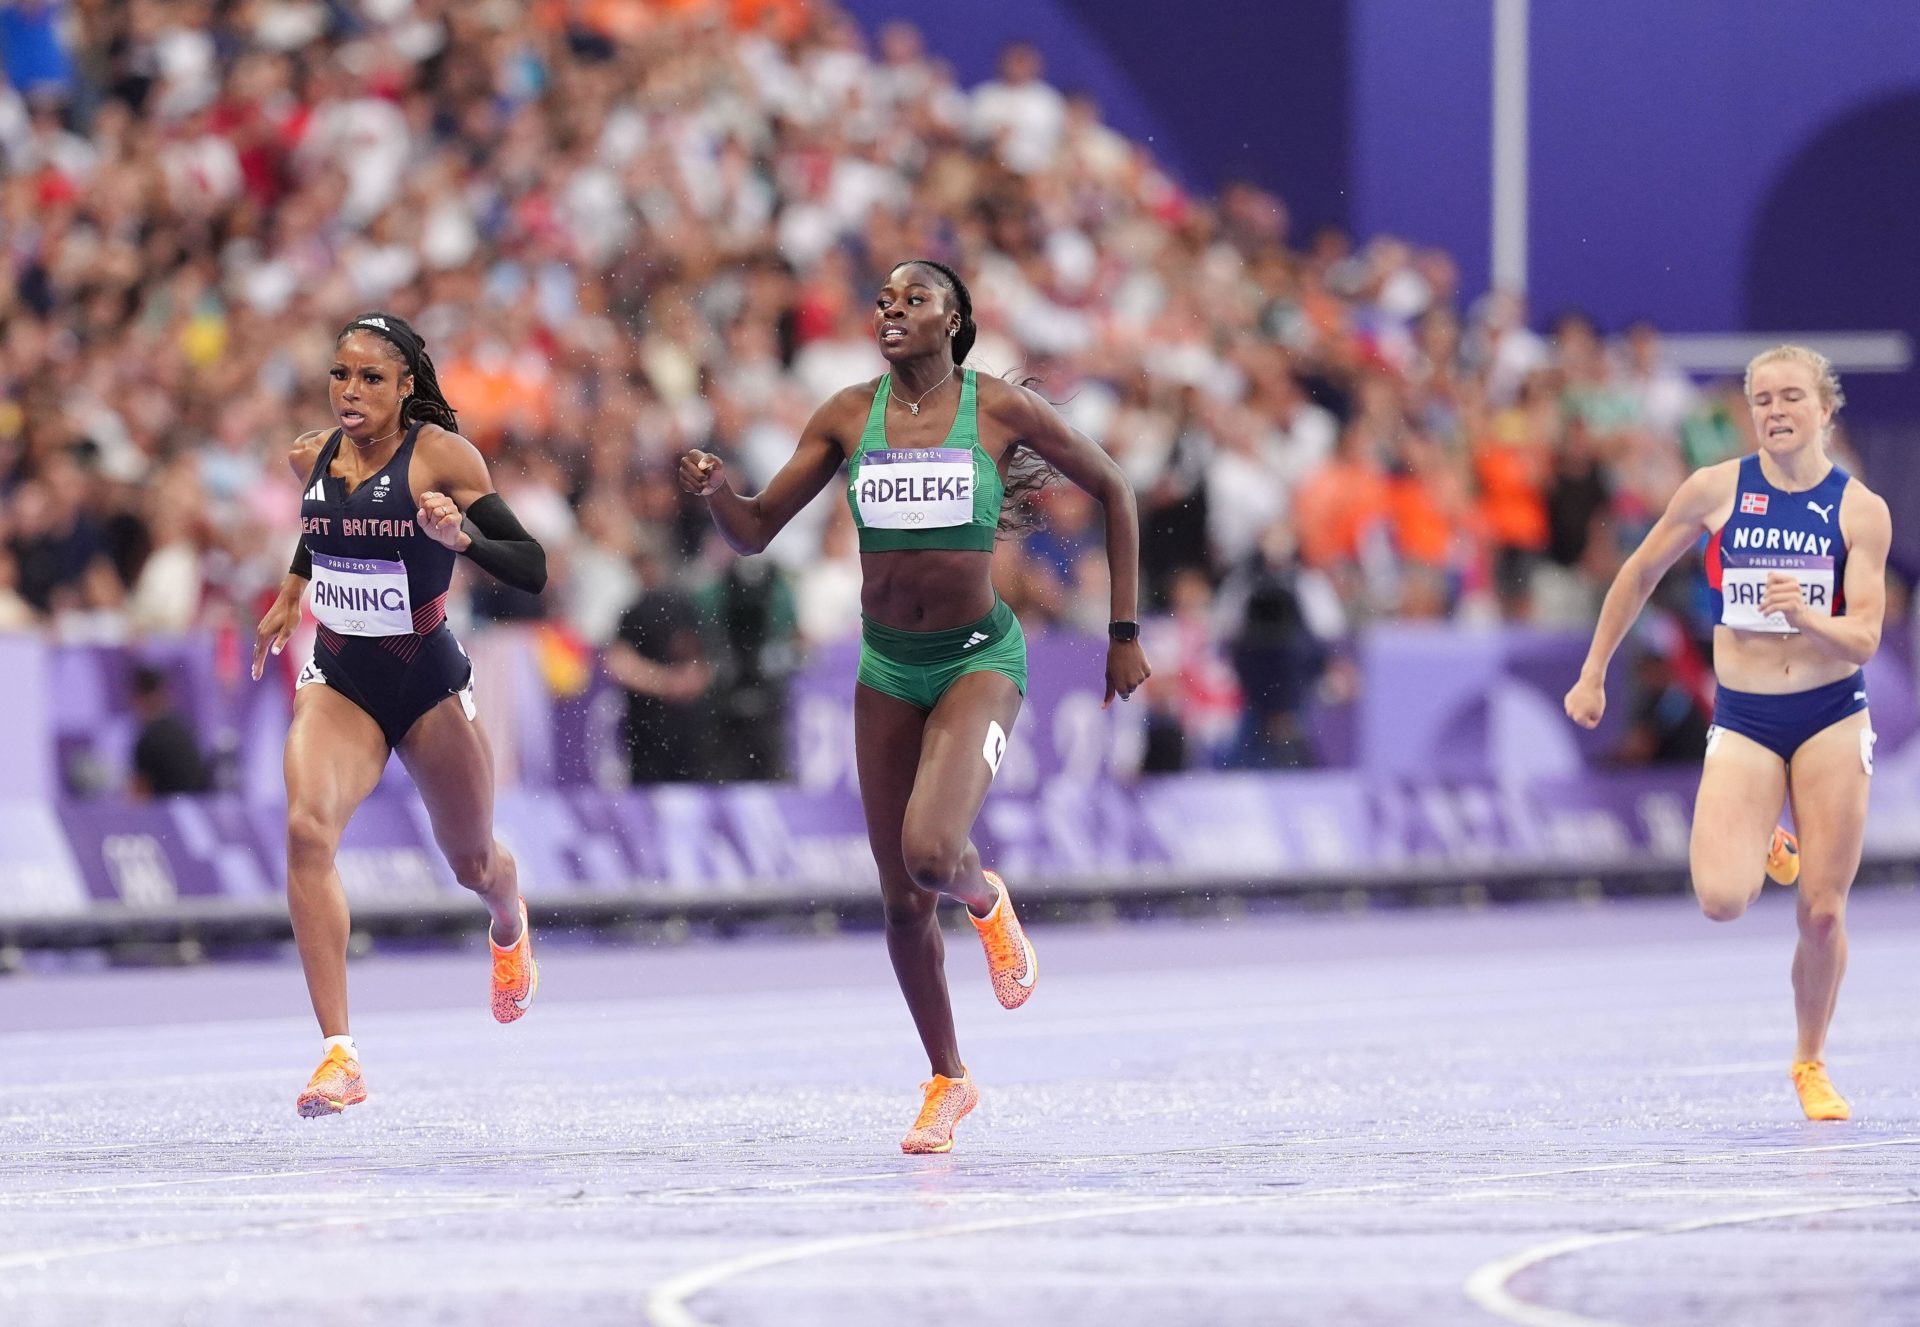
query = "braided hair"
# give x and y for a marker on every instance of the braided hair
(427, 403)
(962, 301)
(1028, 474)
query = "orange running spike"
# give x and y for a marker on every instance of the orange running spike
(335, 1085)
(948, 1102)
(1818, 1098)
(1010, 958)
(1783, 857)
(515, 975)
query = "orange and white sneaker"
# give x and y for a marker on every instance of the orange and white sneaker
(1817, 1095)
(1783, 857)
(335, 1085)
(1010, 959)
(515, 975)
(948, 1101)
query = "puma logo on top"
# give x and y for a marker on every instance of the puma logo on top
(1826, 512)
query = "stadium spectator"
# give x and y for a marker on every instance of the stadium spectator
(751, 609)
(659, 657)
(166, 753)
(635, 229)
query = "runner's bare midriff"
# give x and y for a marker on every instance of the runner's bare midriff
(929, 589)
(1773, 665)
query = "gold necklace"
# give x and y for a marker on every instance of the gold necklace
(914, 406)
(375, 442)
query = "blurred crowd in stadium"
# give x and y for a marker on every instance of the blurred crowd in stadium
(629, 228)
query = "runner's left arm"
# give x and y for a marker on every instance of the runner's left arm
(1854, 635)
(1031, 419)
(464, 512)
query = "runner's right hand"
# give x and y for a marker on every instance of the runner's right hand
(702, 473)
(274, 630)
(1587, 701)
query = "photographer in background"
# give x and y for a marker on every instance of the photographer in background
(166, 755)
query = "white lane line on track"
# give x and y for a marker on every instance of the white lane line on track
(256, 1177)
(667, 1304)
(509, 1158)
(1487, 1286)
(37, 1259)
(1109, 1022)
(723, 1011)
(1746, 1067)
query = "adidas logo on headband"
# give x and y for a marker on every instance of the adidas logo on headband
(381, 323)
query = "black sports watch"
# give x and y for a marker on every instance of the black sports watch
(1123, 631)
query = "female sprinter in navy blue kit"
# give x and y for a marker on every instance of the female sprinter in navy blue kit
(392, 496)
(943, 666)
(1796, 557)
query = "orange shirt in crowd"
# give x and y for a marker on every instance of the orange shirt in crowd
(624, 20)
(1511, 467)
(495, 392)
(1423, 530)
(1336, 508)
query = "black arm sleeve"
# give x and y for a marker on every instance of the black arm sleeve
(502, 547)
(302, 565)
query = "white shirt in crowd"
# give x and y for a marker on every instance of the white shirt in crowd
(1025, 119)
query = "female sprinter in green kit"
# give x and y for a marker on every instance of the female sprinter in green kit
(943, 664)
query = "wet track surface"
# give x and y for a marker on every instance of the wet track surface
(1548, 1115)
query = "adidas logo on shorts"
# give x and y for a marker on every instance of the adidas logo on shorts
(977, 638)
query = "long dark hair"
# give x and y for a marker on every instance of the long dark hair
(1027, 473)
(428, 403)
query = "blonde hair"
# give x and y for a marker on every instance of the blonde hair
(1825, 379)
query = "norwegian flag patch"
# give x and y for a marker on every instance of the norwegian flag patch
(1753, 504)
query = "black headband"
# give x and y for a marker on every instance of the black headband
(410, 347)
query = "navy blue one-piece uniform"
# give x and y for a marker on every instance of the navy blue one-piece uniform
(379, 593)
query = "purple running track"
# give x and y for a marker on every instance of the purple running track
(1549, 1115)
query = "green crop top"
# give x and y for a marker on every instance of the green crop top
(924, 497)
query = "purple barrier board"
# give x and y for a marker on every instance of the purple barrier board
(710, 842)
(150, 855)
(39, 876)
(1471, 768)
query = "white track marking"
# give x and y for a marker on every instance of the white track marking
(1487, 1287)
(667, 1305)
(1745, 1067)
(211, 1076)
(716, 1009)
(36, 1259)
(905, 1172)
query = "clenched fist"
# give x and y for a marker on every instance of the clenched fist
(440, 521)
(1588, 700)
(702, 473)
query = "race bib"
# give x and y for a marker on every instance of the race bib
(361, 596)
(926, 489)
(1742, 589)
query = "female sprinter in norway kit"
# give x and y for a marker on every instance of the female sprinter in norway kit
(942, 659)
(381, 523)
(1796, 557)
